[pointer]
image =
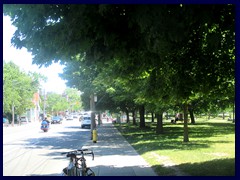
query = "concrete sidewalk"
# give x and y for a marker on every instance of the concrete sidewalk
(114, 156)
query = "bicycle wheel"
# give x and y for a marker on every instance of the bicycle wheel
(90, 172)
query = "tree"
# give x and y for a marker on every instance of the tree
(56, 103)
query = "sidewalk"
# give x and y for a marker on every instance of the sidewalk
(114, 156)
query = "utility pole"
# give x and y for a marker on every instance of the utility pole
(13, 108)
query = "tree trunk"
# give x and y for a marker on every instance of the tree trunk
(185, 110)
(134, 117)
(191, 115)
(142, 119)
(159, 128)
(152, 116)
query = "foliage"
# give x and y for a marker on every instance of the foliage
(55, 103)
(18, 88)
(70, 100)
(73, 99)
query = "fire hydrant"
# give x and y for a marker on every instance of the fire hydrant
(94, 135)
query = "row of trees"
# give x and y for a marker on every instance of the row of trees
(147, 57)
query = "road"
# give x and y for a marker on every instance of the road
(28, 151)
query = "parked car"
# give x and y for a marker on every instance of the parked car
(24, 120)
(56, 120)
(86, 121)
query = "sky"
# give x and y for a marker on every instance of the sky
(23, 59)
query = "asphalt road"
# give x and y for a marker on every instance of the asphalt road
(28, 151)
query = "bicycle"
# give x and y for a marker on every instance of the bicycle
(77, 165)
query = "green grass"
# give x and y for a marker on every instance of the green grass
(209, 152)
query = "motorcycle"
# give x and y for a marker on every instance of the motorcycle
(45, 127)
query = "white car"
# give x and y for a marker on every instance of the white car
(24, 120)
(70, 117)
(86, 121)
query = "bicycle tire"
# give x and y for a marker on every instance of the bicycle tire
(90, 172)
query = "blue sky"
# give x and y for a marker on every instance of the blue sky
(24, 60)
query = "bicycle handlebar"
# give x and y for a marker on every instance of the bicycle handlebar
(76, 151)
(80, 152)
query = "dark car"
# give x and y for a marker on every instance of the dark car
(56, 120)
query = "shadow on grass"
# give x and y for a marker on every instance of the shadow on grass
(216, 167)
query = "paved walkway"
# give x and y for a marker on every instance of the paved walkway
(114, 156)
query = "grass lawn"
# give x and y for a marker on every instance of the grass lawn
(209, 152)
